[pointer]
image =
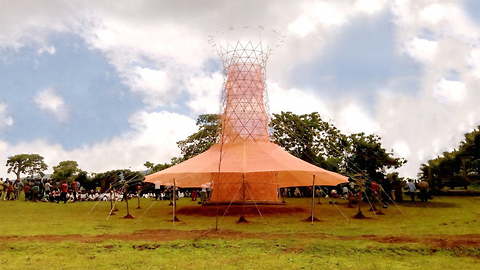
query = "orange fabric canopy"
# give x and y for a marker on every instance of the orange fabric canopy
(245, 158)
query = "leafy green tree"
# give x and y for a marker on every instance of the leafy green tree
(82, 177)
(104, 179)
(203, 139)
(305, 136)
(470, 149)
(309, 138)
(365, 154)
(458, 167)
(29, 164)
(153, 168)
(66, 170)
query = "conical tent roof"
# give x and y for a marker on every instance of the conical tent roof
(248, 158)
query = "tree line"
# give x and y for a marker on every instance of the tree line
(307, 137)
(33, 166)
(457, 168)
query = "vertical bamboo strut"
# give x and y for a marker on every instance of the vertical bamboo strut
(242, 218)
(313, 197)
(125, 194)
(174, 201)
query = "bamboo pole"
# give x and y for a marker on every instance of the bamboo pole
(242, 218)
(125, 195)
(360, 214)
(138, 197)
(313, 197)
(174, 197)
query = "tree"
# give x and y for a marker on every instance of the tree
(153, 168)
(29, 164)
(365, 154)
(309, 138)
(459, 167)
(66, 171)
(204, 138)
(470, 149)
(103, 180)
(305, 136)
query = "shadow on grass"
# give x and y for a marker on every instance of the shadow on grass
(430, 204)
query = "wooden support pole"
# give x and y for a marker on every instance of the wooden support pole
(174, 197)
(313, 198)
(125, 196)
(242, 219)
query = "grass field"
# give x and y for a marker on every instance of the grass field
(442, 233)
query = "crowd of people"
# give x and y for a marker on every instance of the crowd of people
(48, 190)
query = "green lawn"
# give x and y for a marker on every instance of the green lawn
(285, 242)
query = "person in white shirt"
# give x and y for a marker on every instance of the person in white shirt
(411, 189)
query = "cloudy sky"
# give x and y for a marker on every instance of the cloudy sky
(112, 84)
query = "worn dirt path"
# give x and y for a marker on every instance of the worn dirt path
(467, 240)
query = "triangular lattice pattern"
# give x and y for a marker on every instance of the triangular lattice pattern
(244, 96)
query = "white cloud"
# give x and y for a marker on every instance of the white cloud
(421, 50)
(53, 104)
(473, 62)
(302, 26)
(154, 86)
(433, 13)
(205, 93)
(329, 15)
(351, 118)
(450, 91)
(7, 120)
(320, 14)
(295, 100)
(370, 6)
(153, 138)
(49, 49)
(29, 23)
(401, 149)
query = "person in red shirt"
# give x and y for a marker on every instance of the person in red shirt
(63, 192)
(374, 187)
(9, 191)
(26, 190)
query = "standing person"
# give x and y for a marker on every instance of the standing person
(76, 185)
(345, 191)
(423, 186)
(9, 191)
(5, 189)
(34, 191)
(203, 194)
(194, 194)
(26, 190)
(48, 187)
(16, 189)
(1, 188)
(63, 193)
(411, 189)
(297, 192)
(157, 191)
(374, 187)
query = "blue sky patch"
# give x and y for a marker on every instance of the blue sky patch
(98, 103)
(362, 58)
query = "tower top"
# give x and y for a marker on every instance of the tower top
(244, 53)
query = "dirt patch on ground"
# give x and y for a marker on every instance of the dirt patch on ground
(236, 210)
(434, 241)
